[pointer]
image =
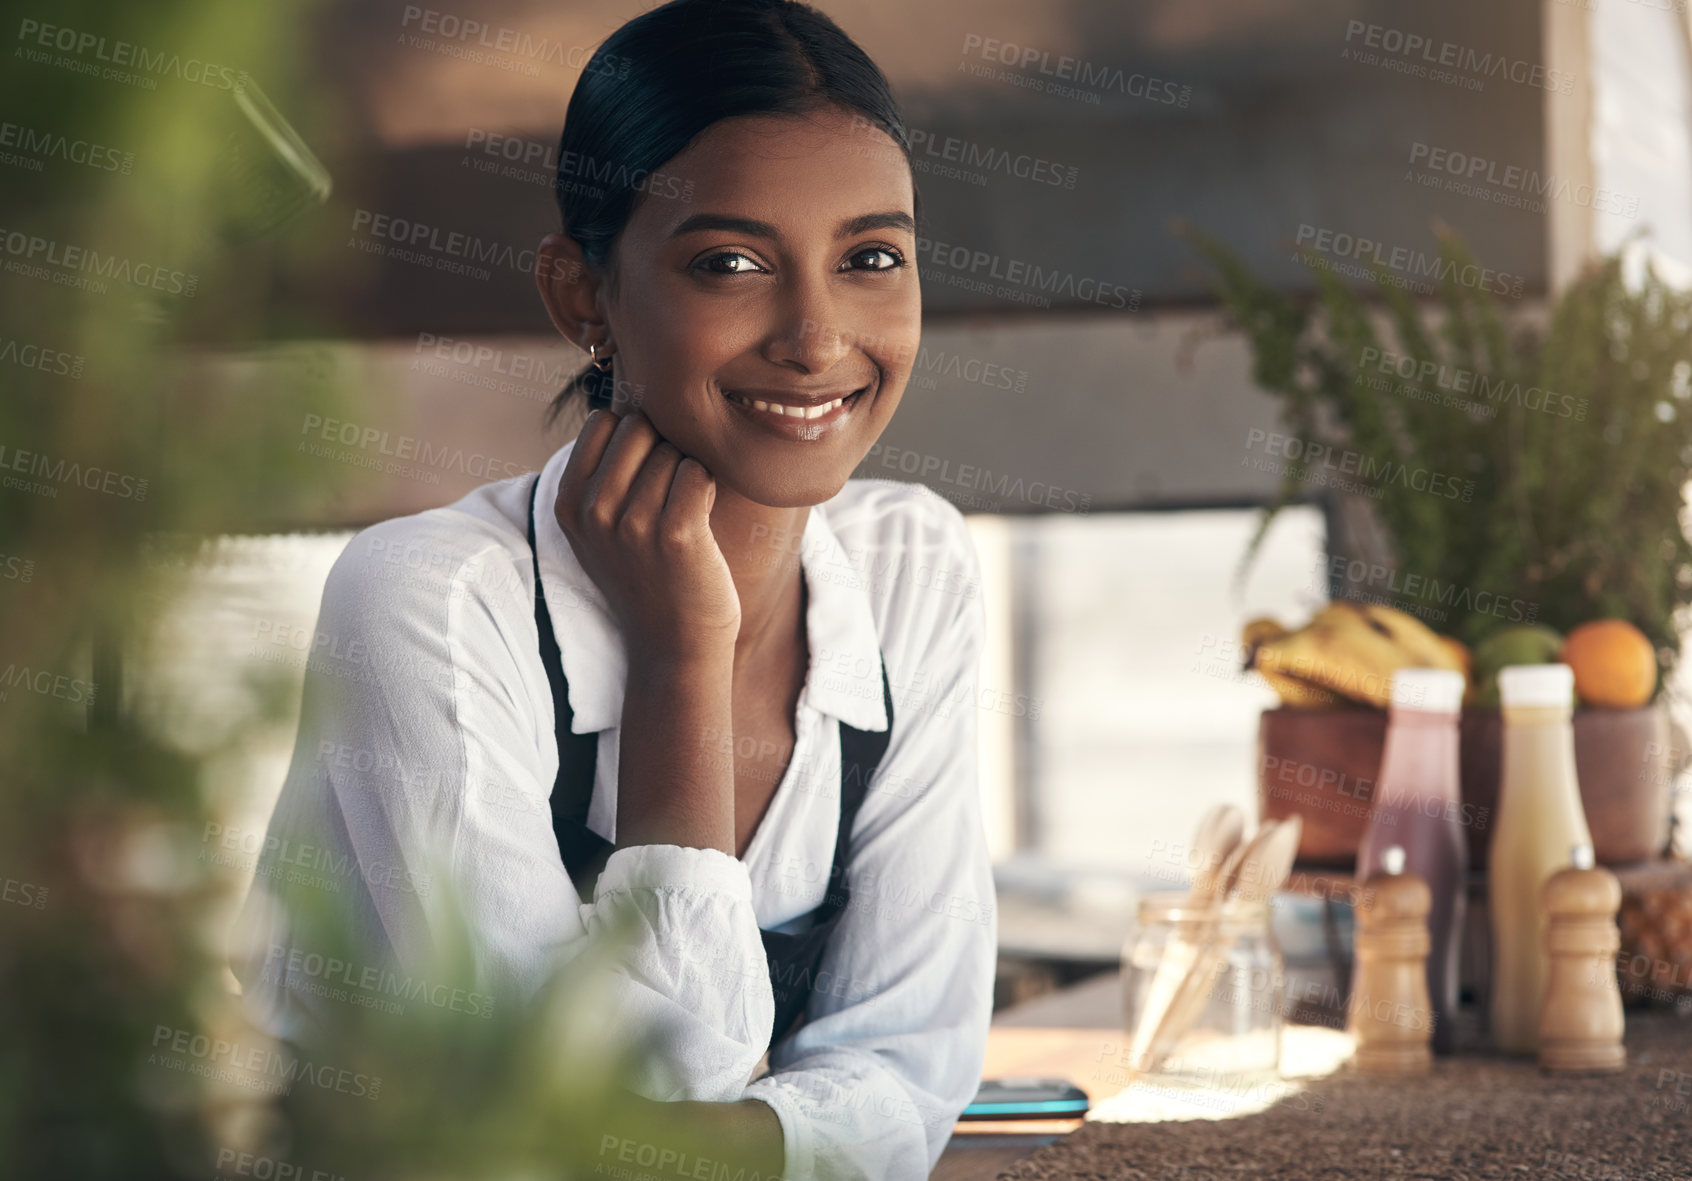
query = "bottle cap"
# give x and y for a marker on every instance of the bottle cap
(1392, 859)
(1536, 684)
(1437, 690)
(1580, 856)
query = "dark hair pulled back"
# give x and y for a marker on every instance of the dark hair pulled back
(668, 74)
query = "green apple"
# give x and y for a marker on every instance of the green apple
(1527, 643)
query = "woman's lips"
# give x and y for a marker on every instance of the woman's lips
(793, 421)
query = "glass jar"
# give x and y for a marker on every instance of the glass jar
(1232, 1029)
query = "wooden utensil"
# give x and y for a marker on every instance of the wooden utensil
(1207, 958)
(1268, 863)
(1217, 843)
(1256, 870)
(1217, 836)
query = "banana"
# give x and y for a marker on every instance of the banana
(1297, 693)
(1255, 632)
(1417, 639)
(1290, 690)
(1352, 650)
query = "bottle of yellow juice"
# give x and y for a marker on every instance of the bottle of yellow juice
(1540, 817)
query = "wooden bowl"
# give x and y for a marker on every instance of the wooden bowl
(1321, 764)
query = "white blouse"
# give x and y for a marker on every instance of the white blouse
(427, 730)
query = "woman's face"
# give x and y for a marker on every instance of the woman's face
(788, 277)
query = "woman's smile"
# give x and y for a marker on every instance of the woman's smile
(796, 416)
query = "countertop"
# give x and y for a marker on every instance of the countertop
(1476, 1115)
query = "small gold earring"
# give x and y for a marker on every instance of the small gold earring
(593, 359)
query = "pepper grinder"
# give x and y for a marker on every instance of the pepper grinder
(1389, 1011)
(1581, 1021)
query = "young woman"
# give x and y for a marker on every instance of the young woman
(692, 669)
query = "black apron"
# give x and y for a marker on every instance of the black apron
(793, 958)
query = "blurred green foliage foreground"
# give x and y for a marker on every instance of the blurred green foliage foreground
(140, 166)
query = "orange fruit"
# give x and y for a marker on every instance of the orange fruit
(1614, 664)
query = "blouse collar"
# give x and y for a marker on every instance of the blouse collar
(844, 678)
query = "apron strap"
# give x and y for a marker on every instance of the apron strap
(584, 851)
(860, 757)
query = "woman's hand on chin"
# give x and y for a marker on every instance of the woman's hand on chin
(638, 516)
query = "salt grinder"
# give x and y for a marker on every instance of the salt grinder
(1581, 1022)
(1389, 1012)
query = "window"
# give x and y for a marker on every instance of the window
(1123, 629)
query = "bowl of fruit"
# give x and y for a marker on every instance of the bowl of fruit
(1319, 750)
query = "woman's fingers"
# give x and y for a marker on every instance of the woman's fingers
(692, 492)
(637, 513)
(608, 485)
(649, 490)
(585, 455)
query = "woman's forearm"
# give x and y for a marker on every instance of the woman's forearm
(670, 788)
(689, 1140)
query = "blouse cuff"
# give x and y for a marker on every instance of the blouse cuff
(798, 1143)
(674, 867)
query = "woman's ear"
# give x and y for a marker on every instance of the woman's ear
(569, 290)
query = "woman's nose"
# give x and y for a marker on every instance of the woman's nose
(810, 336)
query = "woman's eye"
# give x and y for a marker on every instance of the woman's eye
(746, 265)
(735, 262)
(887, 252)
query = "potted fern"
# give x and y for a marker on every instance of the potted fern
(1571, 436)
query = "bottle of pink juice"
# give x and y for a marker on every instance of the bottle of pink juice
(1417, 805)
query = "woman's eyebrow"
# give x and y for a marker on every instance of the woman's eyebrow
(888, 219)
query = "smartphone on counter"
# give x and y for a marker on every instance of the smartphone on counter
(1027, 1098)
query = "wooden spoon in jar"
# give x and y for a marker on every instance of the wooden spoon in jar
(1214, 841)
(1258, 868)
